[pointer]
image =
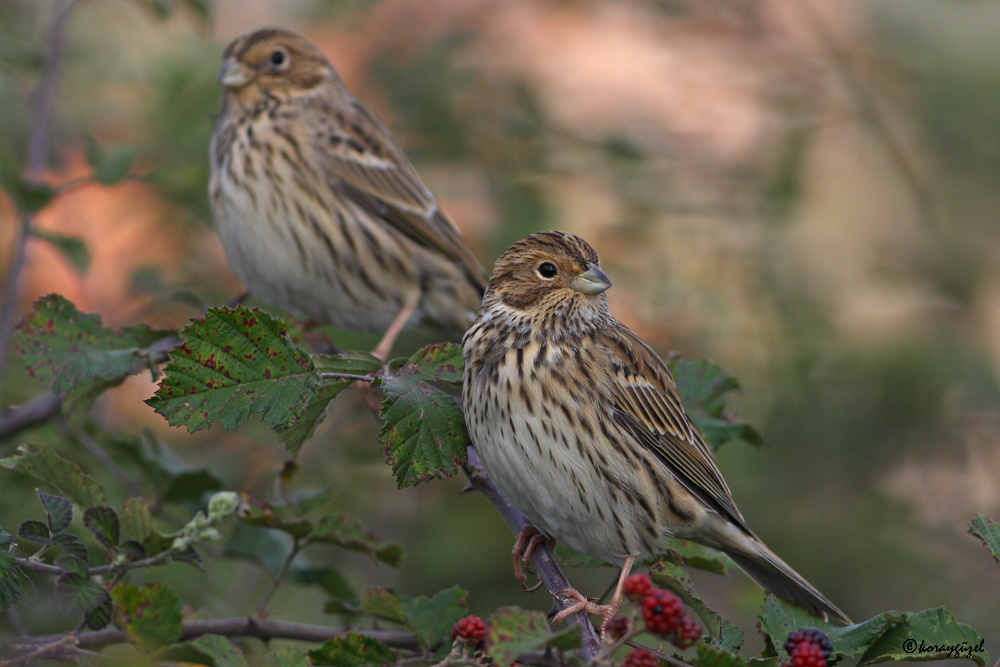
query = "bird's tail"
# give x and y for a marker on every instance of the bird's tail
(773, 574)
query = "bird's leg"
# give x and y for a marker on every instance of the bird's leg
(384, 347)
(581, 603)
(398, 322)
(527, 539)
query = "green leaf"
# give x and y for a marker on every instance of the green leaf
(72, 544)
(988, 531)
(34, 531)
(713, 656)
(382, 604)
(931, 634)
(110, 163)
(778, 619)
(348, 533)
(72, 248)
(440, 362)
(103, 523)
(74, 565)
(98, 617)
(78, 595)
(286, 656)
(351, 363)
(136, 520)
(700, 557)
(219, 651)
(10, 582)
(669, 572)
(512, 631)
(58, 511)
(150, 615)
(431, 618)
(233, 363)
(294, 434)
(68, 348)
(352, 650)
(423, 431)
(41, 462)
(28, 196)
(704, 389)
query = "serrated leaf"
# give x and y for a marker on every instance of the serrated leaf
(352, 363)
(778, 619)
(382, 604)
(41, 462)
(218, 651)
(34, 531)
(150, 615)
(512, 631)
(440, 362)
(351, 650)
(669, 572)
(58, 511)
(704, 389)
(294, 434)
(700, 557)
(431, 618)
(713, 656)
(988, 531)
(348, 533)
(136, 520)
(10, 582)
(235, 362)
(99, 617)
(74, 565)
(931, 634)
(132, 550)
(103, 522)
(68, 348)
(72, 248)
(78, 595)
(72, 544)
(423, 431)
(286, 656)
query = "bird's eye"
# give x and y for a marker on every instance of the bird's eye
(547, 270)
(278, 57)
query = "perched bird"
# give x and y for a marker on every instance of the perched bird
(579, 424)
(318, 209)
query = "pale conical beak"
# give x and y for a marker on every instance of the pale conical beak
(592, 281)
(233, 74)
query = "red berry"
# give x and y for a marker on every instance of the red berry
(688, 633)
(636, 586)
(618, 627)
(662, 611)
(811, 635)
(640, 657)
(471, 629)
(808, 654)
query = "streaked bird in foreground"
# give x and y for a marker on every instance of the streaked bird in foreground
(318, 209)
(579, 424)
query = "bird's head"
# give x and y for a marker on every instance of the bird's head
(272, 61)
(548, 271)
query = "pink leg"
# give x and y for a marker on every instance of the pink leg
(608, 610)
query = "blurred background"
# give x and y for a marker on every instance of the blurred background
(804, 192)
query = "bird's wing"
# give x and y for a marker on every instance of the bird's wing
(361, 156)
(648, 405)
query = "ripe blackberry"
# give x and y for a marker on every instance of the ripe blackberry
(811, 635)
(808, 654)
(662, 611)
(640, 657)
(470, 629)
(618, 627)
(688, 632)
(636, 586)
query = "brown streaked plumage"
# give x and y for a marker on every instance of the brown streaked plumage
(318, 209)
(580, 425)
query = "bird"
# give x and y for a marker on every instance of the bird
(318, 209)
(579, 424)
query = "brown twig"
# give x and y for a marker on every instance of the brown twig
(660, 654)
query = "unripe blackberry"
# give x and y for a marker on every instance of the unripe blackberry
(811, 635)
(470, 629)
(636, 586)
(640, 657)
(662, 611)
(688, 632)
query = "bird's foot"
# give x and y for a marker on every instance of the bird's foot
(577, 602)
(528, 538)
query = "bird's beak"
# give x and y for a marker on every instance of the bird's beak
(592, 281)
(234, 74)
